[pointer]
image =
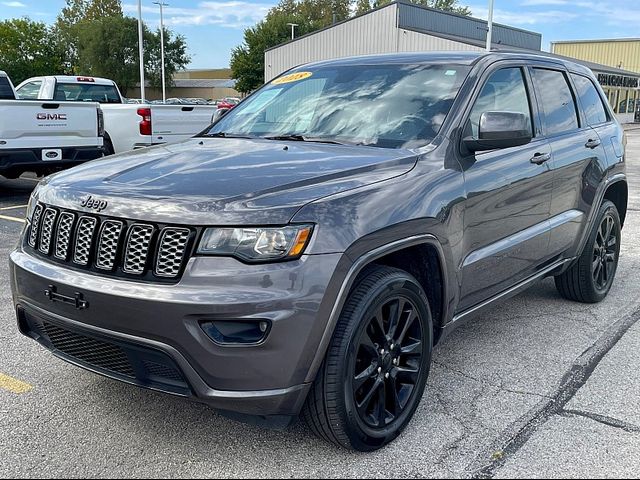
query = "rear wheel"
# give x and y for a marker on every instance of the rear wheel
(590, 279)
(376, 368)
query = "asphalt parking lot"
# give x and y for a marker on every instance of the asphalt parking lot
(537, 387)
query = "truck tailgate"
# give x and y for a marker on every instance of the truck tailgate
(39, 124)
(173, 123)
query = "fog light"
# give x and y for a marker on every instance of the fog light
(237, 332)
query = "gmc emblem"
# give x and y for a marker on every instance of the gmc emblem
(51, 116)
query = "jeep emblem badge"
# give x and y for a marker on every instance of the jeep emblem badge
(94, 203)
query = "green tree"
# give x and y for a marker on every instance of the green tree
(175, 53)
(362, 6)
(108, 47)
(68, 24)
(247, 60)
(26, 49)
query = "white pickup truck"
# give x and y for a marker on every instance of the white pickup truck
(127, 126)
(44, 137)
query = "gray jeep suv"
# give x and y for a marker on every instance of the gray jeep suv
(306, 252)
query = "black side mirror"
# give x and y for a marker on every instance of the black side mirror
(500, 130)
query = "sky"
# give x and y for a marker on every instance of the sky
(213, 28)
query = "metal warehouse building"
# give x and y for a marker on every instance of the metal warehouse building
(405, 27)
(397, 27)
(624, 53)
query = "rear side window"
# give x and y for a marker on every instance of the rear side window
(6, 92)
(558, 106)
(30, 91)
(81, 92)
(594, 110)
(505, 91)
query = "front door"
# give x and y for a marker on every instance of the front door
(508, 196)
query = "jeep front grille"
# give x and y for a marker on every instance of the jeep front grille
(109, 245)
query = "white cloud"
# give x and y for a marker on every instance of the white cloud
(229, 14)
(14, 4)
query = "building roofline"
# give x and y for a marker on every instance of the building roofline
(408, 3)
(597, 40)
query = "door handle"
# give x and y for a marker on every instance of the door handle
(592, 144)
(540, 158)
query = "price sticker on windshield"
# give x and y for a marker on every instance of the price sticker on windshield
(292, 77)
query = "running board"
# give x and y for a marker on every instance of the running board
(463, 317)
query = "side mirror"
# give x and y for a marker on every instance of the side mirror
(500, 130)
(221, 112)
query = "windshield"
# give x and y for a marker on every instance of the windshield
(83, 92)
(390, 106)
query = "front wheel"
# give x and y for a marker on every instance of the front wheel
(376, 368)
(590, 278)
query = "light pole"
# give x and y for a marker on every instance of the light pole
(141, 50)
(293, 29)
(164, 88)
(490, 25)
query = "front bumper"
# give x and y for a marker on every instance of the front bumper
(160, 325)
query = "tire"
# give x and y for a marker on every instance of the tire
(590, 278)
(108, 147)
(337, 409)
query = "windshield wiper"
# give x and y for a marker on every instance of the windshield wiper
(225, 135)
(303, 138)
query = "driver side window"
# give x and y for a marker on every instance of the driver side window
(505, 91)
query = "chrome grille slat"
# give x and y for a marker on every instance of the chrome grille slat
(171, 251)
(46, 233)
(84, 240)
(108, 244)
(35, 225)
(63, 235)
(137, 251)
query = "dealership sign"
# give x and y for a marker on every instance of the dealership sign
(607, 80)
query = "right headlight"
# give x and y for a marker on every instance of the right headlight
(256, 244)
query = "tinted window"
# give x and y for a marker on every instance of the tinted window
(594, 110)
(6, 92)
(388, 106)
(505, 91)
(30, 91)
(558, 106)
(82, 92)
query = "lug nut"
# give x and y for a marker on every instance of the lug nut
(395, 361)
(382, 352)
(386, 375)
(393, 345)
(379, 369)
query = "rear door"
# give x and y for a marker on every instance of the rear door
(578, 157)
(508, 195)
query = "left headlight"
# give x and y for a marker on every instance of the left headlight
(256, 244)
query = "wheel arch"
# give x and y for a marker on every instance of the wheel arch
(618, 193)
(397, 253)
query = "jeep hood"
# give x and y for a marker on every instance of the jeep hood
(217, 181)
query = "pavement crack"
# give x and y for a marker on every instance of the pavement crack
(514, 437)
(606, 420)
(488, 383)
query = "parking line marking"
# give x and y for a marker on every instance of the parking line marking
(13, 385)
(15, 207)
(13, 219)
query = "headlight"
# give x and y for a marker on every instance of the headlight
(256, 244)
